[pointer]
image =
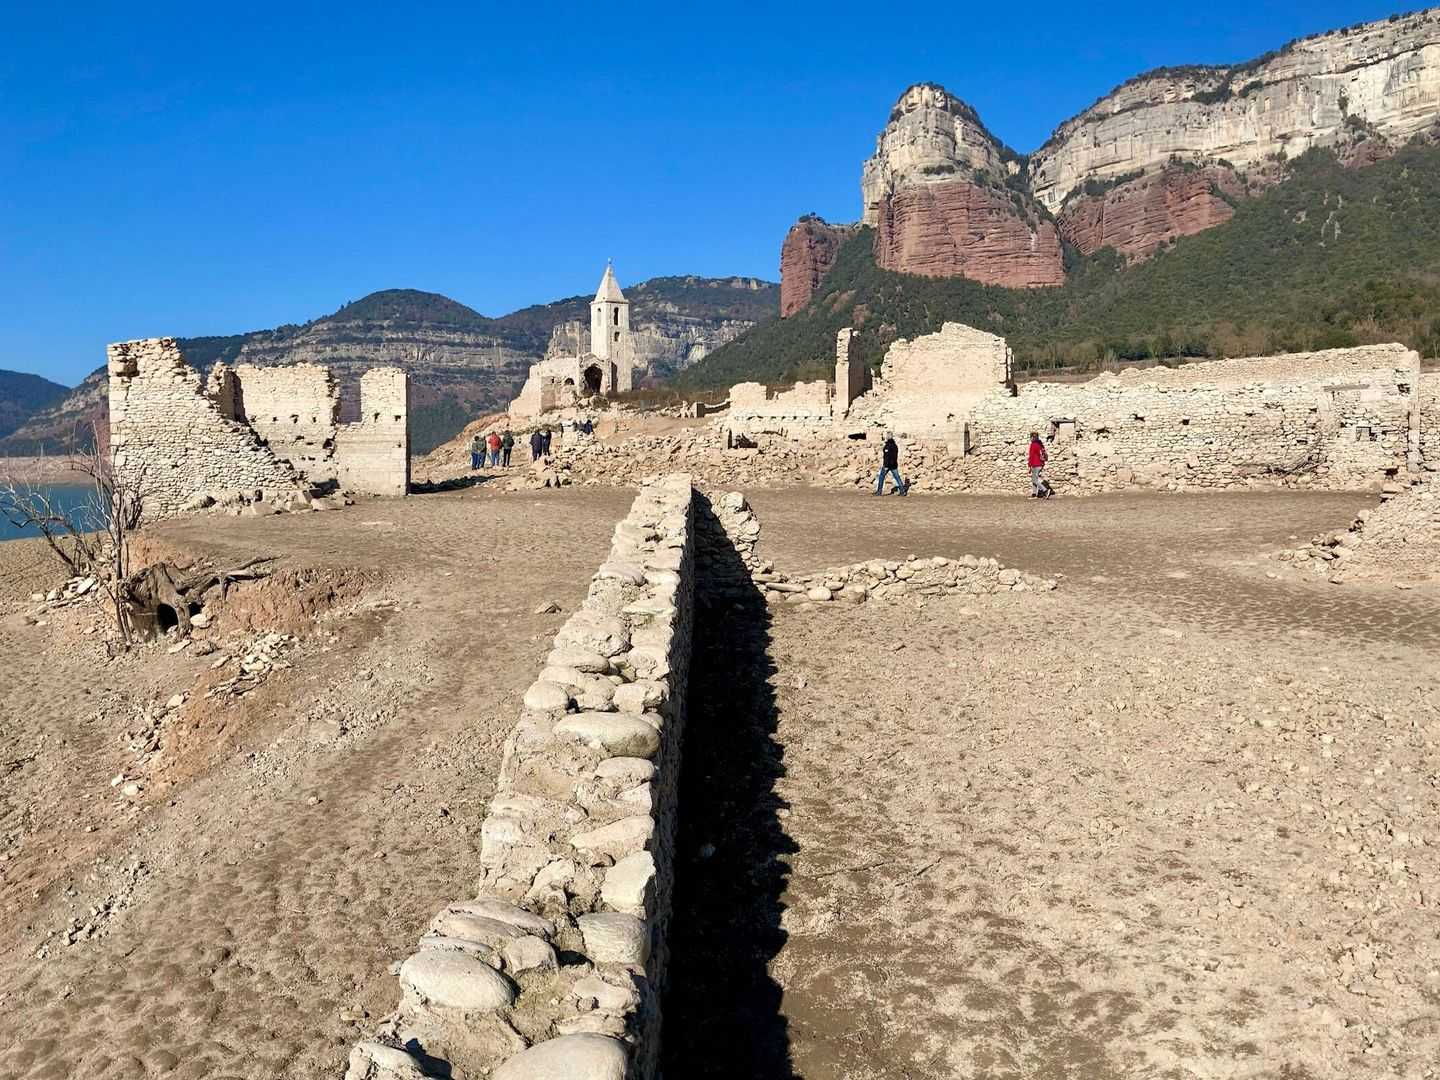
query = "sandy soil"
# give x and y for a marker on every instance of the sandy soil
(238, 918)
(1172, 820)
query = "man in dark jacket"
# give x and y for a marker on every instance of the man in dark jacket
(537, 444)
(890, 463)
(545, 443)
(507, 443)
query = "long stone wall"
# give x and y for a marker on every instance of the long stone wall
(249, 429)
(1339, 418)
(556, 970)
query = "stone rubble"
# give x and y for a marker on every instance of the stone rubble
(1386, 540)
(556, 970)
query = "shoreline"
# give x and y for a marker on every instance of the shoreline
(41, 470)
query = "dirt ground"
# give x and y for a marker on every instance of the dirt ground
(1174, 819)
(239, 916)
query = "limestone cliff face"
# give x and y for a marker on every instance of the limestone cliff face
(806, 256)
(1139, 216)
(936, 193)
(1381, 79)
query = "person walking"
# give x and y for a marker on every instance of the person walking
(536, 442)
(507, 443)
(493, 441)
(890, 463)
(545, 443)
(1038, 457)
(477, 451)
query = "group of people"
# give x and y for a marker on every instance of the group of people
(494, 448)
(1037, 457)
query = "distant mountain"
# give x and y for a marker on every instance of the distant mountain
(1334, 256)
(22, 396)
(461, 363)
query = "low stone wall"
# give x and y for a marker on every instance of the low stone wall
(556, 970)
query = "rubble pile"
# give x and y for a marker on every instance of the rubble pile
(1400, 536)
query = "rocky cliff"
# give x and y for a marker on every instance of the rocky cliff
(947, 199)
(1379, 78)
(806, 256)
(1143, 214)
(1163, 156)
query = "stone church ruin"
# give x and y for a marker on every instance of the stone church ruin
(562, 379)
(248, 429)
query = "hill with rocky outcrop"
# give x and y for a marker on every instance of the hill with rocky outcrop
(461, 363)
(1334, 257)
(1167, 154)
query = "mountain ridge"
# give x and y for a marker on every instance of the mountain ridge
(462, 363)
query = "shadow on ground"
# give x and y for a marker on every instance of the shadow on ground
(722, 1012)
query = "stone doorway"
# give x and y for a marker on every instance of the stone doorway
(594, 379)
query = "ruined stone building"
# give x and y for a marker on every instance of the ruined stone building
(250, 429)
(1339, 418)
(560, 381)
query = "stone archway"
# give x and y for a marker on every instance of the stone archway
(594, 379)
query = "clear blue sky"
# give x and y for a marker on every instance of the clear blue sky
(208, 169)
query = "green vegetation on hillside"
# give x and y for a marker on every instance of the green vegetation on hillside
(1330, 258)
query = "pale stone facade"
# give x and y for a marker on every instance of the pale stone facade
(559, 382)
(1341, 418)
(249, 429)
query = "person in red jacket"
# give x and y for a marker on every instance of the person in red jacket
(493, 441)
(1039, 489)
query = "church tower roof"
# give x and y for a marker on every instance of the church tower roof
(609, 287)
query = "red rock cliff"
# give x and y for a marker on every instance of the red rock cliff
(1140, 216)
(956, 228)
(806, 256)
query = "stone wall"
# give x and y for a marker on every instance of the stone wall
(1339, 418)
(249, 429)
(852, 376)
(372, 456)
(929, 384)
(1428, 401)
(754, 408)
(172, 441)
(558, 967)
(295, 411)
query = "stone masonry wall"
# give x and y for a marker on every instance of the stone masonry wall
(1339, 418)
(930, 383)
(1428, 398)
(754, 409)
(295, 410)
(557, 968)
(172, 440)
(372, 457)
(250, 429)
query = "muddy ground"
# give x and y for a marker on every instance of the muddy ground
(1174, 819)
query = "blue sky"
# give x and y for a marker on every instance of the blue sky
(208, 169)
